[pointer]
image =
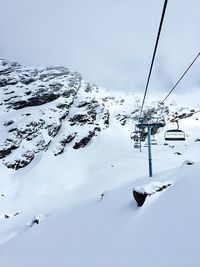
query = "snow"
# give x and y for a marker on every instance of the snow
(74, 224)
(115, 232)
(152, 187)
(80, 229)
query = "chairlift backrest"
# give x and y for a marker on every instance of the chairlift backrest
(135, 135)
(175, 135)
(153, 141)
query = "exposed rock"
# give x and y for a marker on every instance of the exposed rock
(139, 197)
(178, 153)
(7, 216)
(106, 118)
(84, 141)
(188, 162)
(7, 148)
(9, 93)
(83, 104)
(68, 93)
(27, 80)
(8, 99)
(122, 118)
(8, 123)
(81, 119)
(22, 162)
(37, 219)
(62, 106)
(64, 142)
(53, 129)
(140, 193)
(7, 81)
(34, 101)
(88, 88)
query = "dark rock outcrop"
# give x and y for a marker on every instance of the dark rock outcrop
(24, 160)
(7, 148)
(34, 101)
(140, 194)
(64, 142)
(85, 140)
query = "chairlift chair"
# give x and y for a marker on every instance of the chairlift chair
(135, 135)
(146, 144)
(153, 142)
(175, 134)
(137, 144)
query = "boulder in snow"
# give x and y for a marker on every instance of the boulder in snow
(37, 219)
(141, 192)
(188, 162)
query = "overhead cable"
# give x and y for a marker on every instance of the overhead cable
(180, 78)
(154, 53)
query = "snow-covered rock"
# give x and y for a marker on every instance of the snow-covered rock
(140, 193)
(38, 103)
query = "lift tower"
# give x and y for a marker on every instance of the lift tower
(149, 123)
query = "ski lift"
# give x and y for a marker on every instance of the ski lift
(135, 135)
(175, 134)
(137, 144)
(146, 144)
(153, 142)
(154, 122)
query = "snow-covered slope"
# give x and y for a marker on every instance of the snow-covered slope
(115, 232)
(66, 142)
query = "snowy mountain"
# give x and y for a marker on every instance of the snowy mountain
(39, 105)
(68, 169)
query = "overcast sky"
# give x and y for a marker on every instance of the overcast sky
(109, 41)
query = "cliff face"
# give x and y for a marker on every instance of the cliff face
(41, 105)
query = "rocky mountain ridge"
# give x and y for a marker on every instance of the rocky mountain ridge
(39, 106)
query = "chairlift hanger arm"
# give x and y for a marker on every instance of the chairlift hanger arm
(177, 125)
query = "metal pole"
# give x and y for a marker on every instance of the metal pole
(149, 151)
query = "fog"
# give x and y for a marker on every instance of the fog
(110, 42)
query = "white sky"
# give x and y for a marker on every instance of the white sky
(109, 41)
